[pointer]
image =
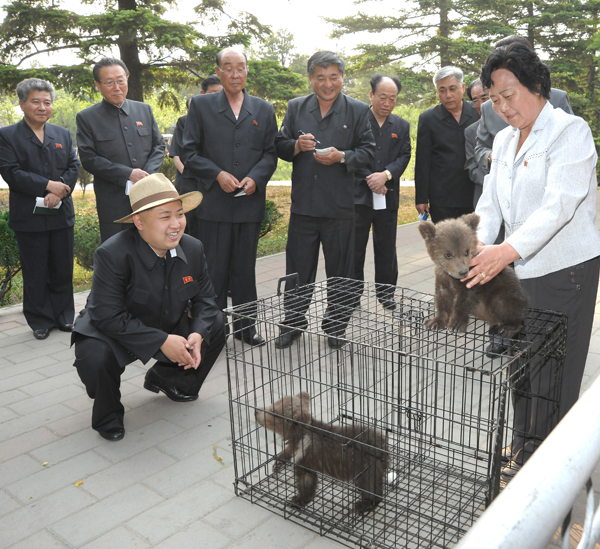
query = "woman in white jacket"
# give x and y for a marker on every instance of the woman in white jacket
(542, 188)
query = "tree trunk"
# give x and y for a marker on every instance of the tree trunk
(444, 34)
(130, 55)
(530, 25)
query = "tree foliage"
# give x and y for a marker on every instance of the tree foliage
(156, 51)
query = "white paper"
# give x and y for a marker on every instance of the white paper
(378, 201)
(128, 186)
(39, 203)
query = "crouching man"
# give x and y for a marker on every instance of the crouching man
(151, 297)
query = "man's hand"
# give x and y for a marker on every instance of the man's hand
(51, 200)
(176, 349)
(422, 208)
(194, 344)
(327, 159)
(228, 182)
(305, 143)
(58, 188)
(377, 181)
(250, 185)
(137, 174)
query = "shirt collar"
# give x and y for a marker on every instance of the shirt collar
(149, 257)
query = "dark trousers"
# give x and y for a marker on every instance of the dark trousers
(385, 227)
(47, 267)
(230, 250)
(100, 372)
(305, 235)
(571, 291)
(439, 213)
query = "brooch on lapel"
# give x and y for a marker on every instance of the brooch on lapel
(394, 136)
(187, 279)
(58, 145)
(255, 122)
(138, 123)
(525, 163)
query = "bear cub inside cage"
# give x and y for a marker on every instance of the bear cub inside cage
(349, 452)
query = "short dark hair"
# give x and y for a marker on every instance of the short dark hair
(220, 56)
(25, 87)
(212, 80)
(108, 62)
(524, 63)
(324, 59)
(376, 78)
(472, 85)
(512, 39)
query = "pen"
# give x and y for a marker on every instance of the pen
(300, 132)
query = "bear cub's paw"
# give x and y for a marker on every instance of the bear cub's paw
(435, 323)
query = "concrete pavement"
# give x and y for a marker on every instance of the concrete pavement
(169, 483)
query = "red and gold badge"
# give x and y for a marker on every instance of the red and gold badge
(187, 279)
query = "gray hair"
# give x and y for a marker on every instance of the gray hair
(222, 53)
(446, 72)
(324, 59)
(108, 62)
(25, 87)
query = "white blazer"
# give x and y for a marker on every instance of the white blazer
(545, 196)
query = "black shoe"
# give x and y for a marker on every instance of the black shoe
(153, 382)
(255, 340)
(286, 339)
(65, 327)
(112, 433)
(495, 349)
(335, 342)
(388, 304)
(41, 334)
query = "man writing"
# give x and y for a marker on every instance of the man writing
(327, 135)
(118, 143)
(442, 185)
(151, 297)
(228, 150)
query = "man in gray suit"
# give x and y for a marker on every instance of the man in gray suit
(478, 97)
(491, 123)
(118, 143)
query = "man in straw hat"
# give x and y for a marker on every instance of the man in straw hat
(151, 297)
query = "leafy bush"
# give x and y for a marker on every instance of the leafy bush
(87, 235)
(168, 169)
(272, 214)
(10, 264)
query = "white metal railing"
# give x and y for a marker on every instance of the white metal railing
(539, 499)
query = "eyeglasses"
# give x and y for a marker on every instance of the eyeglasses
(113, 83)
(230, 72)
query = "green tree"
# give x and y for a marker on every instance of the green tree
(156, 51)
(278, 47)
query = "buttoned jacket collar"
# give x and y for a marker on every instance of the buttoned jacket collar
(49, 134)
(225, 108)
(113, 110)
(537, 128)
(148, 255)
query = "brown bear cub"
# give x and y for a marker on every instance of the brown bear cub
(349, 452)
(501, 302)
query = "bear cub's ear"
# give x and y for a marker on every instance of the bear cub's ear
(427, 230)
(472, 220)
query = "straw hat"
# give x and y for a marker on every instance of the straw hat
(155, 190)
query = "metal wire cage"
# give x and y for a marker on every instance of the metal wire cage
(442, 403)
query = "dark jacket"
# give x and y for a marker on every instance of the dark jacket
(440, 175)
(27, 165)
(214, 141)
(175, 150)
(392, 152)
(136, 300)
(111, 142)
(318, 190)
(476, 173)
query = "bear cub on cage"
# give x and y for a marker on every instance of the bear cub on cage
(350, 452)
(501, 302)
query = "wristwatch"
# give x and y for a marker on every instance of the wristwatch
(343, 159)
(388, 174)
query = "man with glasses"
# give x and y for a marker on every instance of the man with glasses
(228, 148)
(118, 143)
